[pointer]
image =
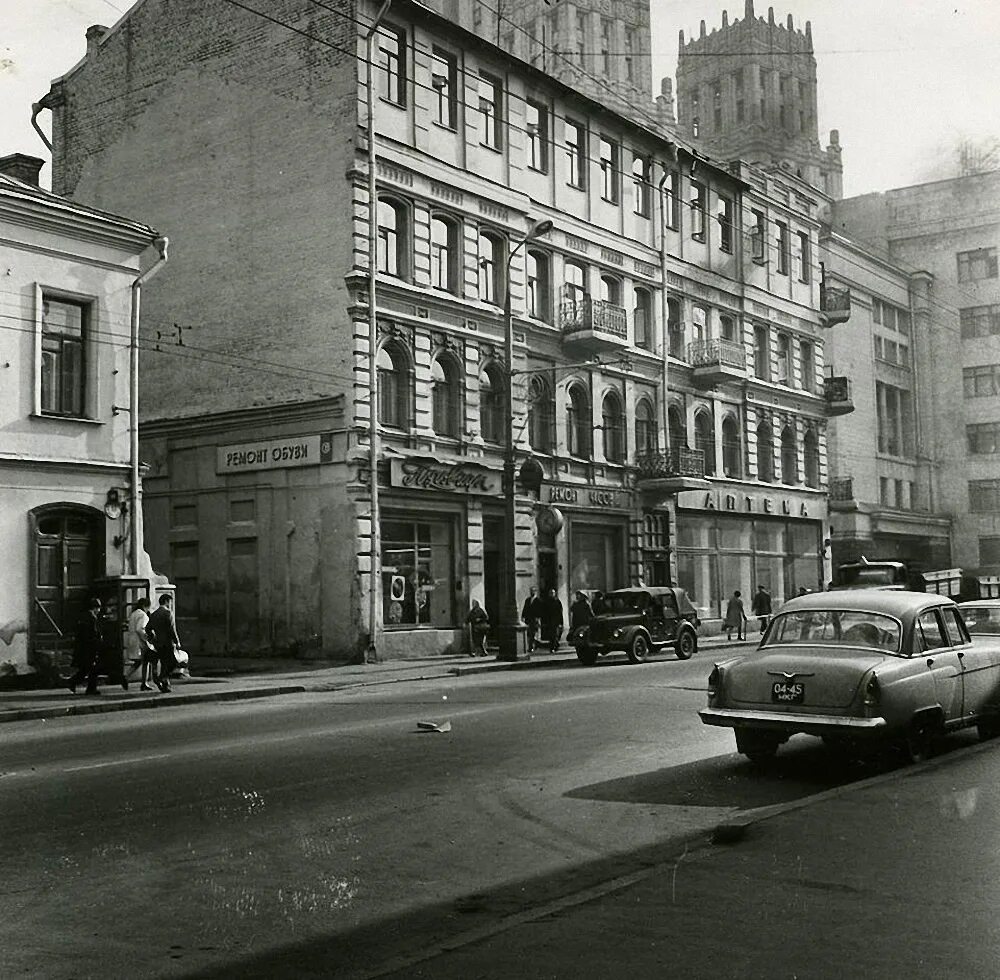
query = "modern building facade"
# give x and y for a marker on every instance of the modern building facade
(668, 357)
(68, 520)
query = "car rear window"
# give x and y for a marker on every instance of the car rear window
(835, 627)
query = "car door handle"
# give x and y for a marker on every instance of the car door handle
(961, 654)
(930, 661)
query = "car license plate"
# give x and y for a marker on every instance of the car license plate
(788, 692)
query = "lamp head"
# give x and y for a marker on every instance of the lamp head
(538, 229)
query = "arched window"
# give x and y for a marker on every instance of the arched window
(613, 426)
(675, 329)
(541, 414)
(392, 237)
(765, 453)
(444, 253)
(732, 457)
(611, 290)
(539, 285)
(492, 257)
(789, 455)
(761, 353)
(446, 397)
(393, 388)
(676, 427)
(704, 439)
(578, 422)
(810, 452)
(645, 427)
(491, 403)
(642, 319)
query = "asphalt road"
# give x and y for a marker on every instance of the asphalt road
(325, 835)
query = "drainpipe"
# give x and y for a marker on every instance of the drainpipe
(36, 108)
(161, 244)
(374, 580)
(664, 325)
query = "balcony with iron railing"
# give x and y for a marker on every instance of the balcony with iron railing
(714, 362)
(842, 493)
(665, 472)
(594, 323)
(837, 392)
(834, 304)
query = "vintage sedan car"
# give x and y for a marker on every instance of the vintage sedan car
(639, 622)
(861, 669)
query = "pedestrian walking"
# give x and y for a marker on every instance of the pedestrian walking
(479, 625)
(137, 644)
(162, 632)
(87, 647)
(552, 620)
(761, 607)
(531, 614)
(736, 617)
(599, 604)
(580, 612)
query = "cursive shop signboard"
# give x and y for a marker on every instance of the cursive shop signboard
(412, 474)
(275, 454)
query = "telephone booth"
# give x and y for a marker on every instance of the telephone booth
(118, 595)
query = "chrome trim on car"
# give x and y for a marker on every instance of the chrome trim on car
(809, 724)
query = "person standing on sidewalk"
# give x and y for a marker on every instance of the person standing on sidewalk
(552, 620)
(736, 617)
(479, 625)
(87, 648)
(162, 631)
(531, 613)
(761, 607)
(137, 643)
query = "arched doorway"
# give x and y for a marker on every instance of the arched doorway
(67, 555)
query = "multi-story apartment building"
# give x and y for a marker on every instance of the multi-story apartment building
(69, 524)
(668, 452)
(949, 230)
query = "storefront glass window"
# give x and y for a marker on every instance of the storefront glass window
(417, 573)
(596, 557)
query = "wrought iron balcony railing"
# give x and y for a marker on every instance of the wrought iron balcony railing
(654, 464)
(834, 303)
(597, 315)
(837, 389)
(709, 353)
(842, 488)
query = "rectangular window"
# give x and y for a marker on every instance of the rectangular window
(807, 361)
(576, 154)
(883, 491)
(989, 551)
(876, 310)
(805, 258)
(629, 53)
(392, 64)
(784, 247)
(444, 82)
(538, 136)
(982, 381)
(980, 263)
(65, 325)
(894, 420)
(642, 174)
(984, 496)
(418, 563)
(717, 106)
(983, 438)
(184, 515)
(699, 204)
(242, 511)
(879, 348)
(758, 240)
(980, 321)
(610, 166)
(725, 218)
(490, 111)
(605, 47)
(903, 322)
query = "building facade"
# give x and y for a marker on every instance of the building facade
(67, 517)
(668, 347)
(748, 90)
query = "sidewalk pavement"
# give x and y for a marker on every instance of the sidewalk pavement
(236, 679)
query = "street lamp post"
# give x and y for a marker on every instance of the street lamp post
(510, 626)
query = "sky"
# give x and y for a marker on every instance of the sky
(904, 81)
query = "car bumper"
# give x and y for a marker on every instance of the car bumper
(786, 721)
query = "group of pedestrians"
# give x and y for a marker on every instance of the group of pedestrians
(541, 614)
(736, 617)
(151, 638)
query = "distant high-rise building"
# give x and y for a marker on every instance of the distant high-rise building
(600, 49)
(748, 90)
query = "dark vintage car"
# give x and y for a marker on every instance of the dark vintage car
(860, 669)
(640, 621)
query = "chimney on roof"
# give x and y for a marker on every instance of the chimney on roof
(95, 34)
(21, 167)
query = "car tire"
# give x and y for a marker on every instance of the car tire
(638, 649)
(759, 747)
(918, 745)
(686, 645)
(988, 728)
(586, 655)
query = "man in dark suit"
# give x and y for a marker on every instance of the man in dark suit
(87, 652)
(163, 633)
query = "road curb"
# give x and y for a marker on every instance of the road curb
(137, 704)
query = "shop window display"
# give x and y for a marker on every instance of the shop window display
(417, 573)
